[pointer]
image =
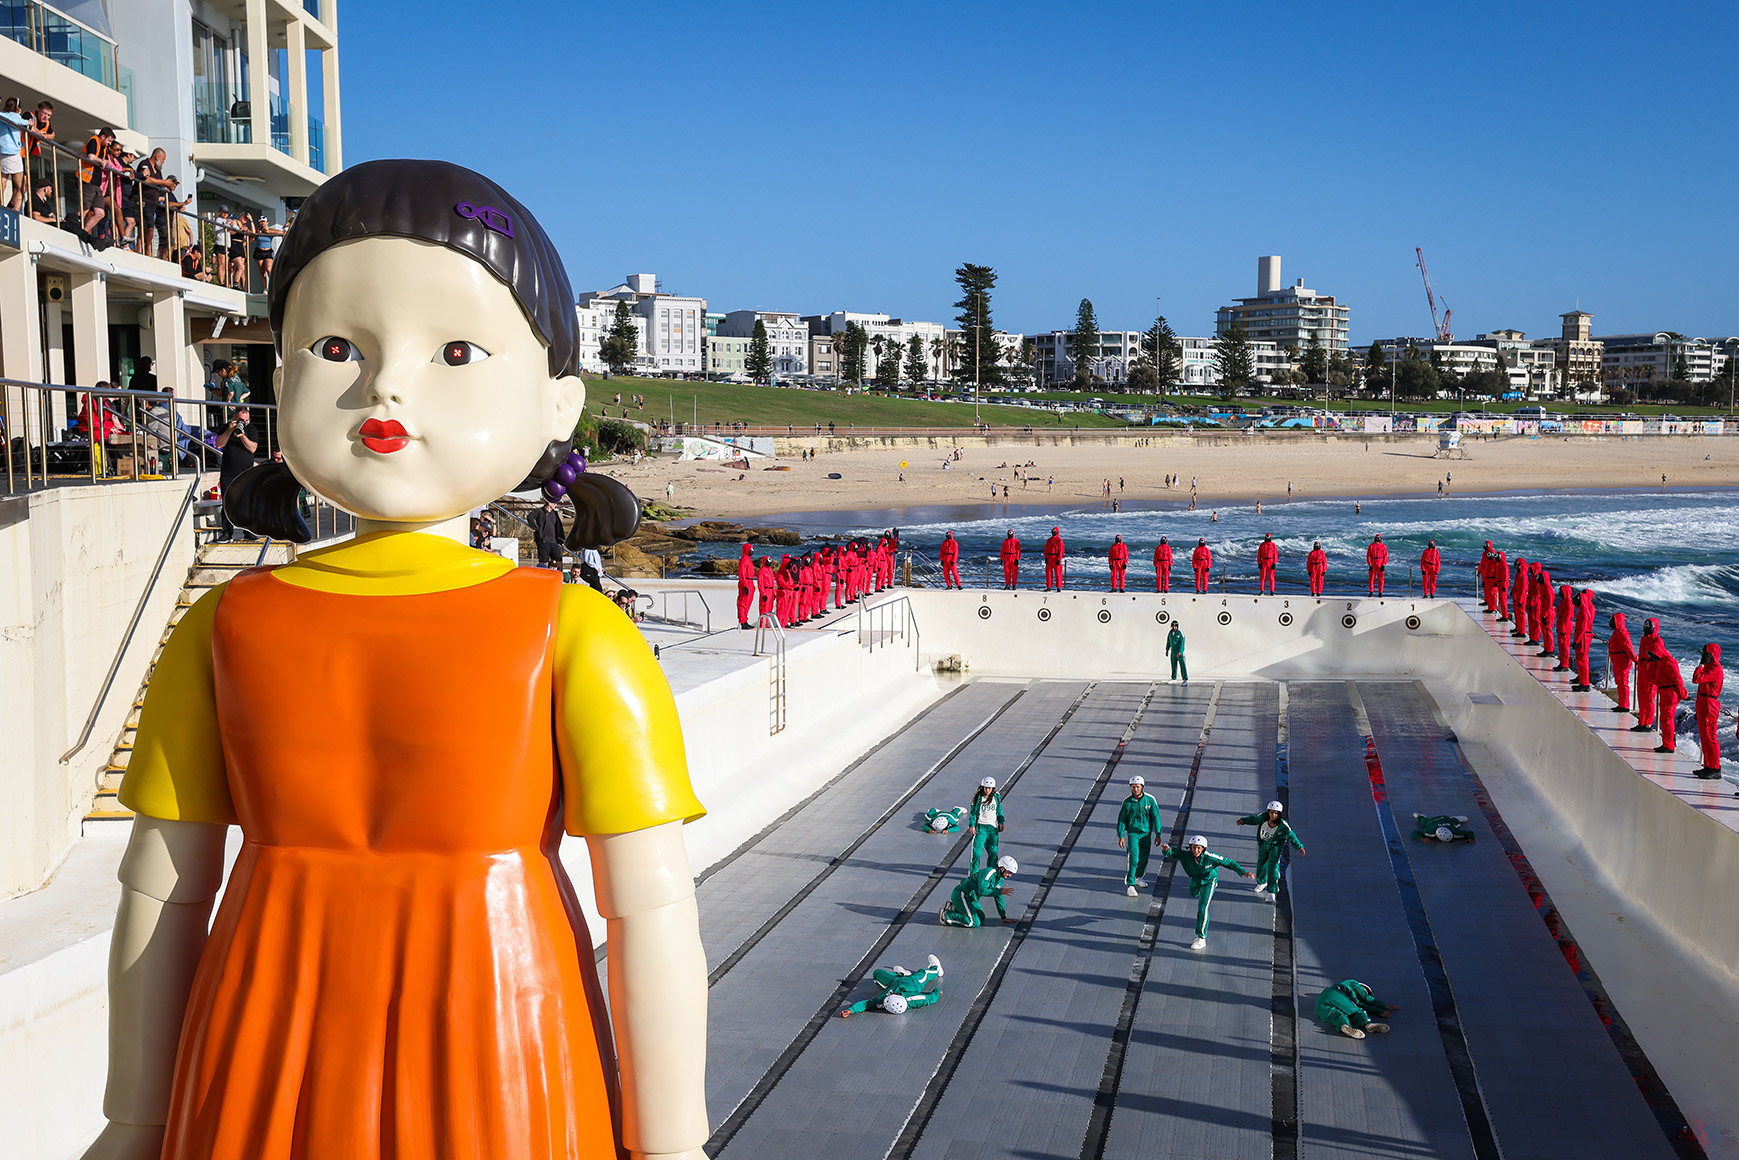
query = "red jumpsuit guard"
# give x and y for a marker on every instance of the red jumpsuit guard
(1202, 560)
(1010, 553)
(1054, 560)
(1519, 597)
(1316, 568)
(1542, 593)
(1566, 613)
(1488, 576)
(1503, 587)
(1669, 690)
(1621, 658)
(1647, 650)
(1119, 564)
(1162, 566)
(767, 588)
(745, 586)
(949, 553)
(1709, 678)
(785, 602)
(1267, 557)
(1582, 639)
(1430, 563)
(1377, 560)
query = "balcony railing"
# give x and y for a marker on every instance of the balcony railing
(317, 144)
(61, 39)
(219, 117)
(280, 107)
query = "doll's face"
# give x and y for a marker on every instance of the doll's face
(413, 389)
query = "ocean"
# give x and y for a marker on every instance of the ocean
(1673, 556)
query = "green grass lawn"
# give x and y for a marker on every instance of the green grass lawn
(708, 403)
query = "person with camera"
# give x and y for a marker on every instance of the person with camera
(238, 441)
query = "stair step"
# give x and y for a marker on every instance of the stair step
(115, 824)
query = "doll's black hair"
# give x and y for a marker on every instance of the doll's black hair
(447, 205)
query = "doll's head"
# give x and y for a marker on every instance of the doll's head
(429, 356)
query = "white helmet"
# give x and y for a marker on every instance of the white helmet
(1007, 865)
(987, 783)
(939, 822)
(894, 1004)
(1276, 807)
(1444, 834)
(1197, 840)
(1138, 780)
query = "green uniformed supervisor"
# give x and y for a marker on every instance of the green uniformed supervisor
(1174, 649)
(1137, 823)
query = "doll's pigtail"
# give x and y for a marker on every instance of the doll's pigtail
(265, 500)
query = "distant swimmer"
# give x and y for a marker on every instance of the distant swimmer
(1119, 564)
(1203, 867)
(1010, 555)
(1377, 561)
(1202, 560)
(1137, 825)
(1162, 566)
(899, 990)
(1430, 564)
(1316, 568)
(1620, 658)
(1258, 507)
(1174, 646)
(1350, 1008)
(1709, 679)
(1273, 835)
(961, 909)
(1357, 507)
(1267, 559)
(1215, 518)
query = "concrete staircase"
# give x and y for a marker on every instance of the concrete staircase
(215, 564)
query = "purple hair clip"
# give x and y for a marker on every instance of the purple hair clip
(492, 218)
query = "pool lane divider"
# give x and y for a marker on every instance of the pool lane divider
(1443, 1004)
(1674, 1124)
(1283, 1003)
(1111, 1077)
(912, 1131)
(887, 815)
(763, 1088)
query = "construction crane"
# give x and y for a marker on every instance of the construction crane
(1441, 327)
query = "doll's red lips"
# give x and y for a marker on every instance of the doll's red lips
(384, 436)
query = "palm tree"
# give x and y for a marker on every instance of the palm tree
(939, 353)
(877, 343)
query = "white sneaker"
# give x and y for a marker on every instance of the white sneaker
(1130, 891)
(1351, 1032)
(1274, 896)
(936, 965)
(1198, 944)
(1379, 1028)
(1261, 889)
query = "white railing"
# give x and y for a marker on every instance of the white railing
(879, 625)
(775, 669)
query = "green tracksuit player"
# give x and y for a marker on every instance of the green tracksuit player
(1203, 867)
(1174, 649)
(1441, 828)
(1272, 835)
(961, 909)
(898, 990)
(984, 815)
(1137, 824)
(945, 821)
(1350, 1008)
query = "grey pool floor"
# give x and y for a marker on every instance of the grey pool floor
(1088, 1027)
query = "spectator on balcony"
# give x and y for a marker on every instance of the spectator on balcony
(12, 126)
(93, 178)
(240, 226)
(154, 188)
(219, 263)
(193, 264)
(42, 155)
(266, 237)
(127, 198)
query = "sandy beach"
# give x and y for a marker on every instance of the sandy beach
(1225, 474)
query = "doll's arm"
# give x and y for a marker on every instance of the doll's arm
(169, 875)
(658, 988)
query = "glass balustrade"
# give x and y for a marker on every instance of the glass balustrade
(61, 39)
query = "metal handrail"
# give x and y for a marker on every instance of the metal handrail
(664, 595)
(775, 670)
(868, 614)
(138, 613)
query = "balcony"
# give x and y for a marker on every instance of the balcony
(224, 139)
(61, 39)
(215, 115)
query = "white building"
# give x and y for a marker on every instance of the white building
(1199, 363)
(787, 337)
(672, 325)
(1532, 366)
(1287, 315)
(1116, 356)
(892, 331)
(1657, 356)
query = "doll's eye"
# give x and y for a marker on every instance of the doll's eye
(462, 354)
(335, 349)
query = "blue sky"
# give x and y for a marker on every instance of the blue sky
(842, 156)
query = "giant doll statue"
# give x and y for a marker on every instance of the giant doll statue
(403, 728)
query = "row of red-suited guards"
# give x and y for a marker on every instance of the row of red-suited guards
(799, 588)
(1561, 622)
(1201, 563)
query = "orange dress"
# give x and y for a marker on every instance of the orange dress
(398, 967)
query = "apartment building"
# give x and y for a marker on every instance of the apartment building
(1532, 366)
(671, 326)
(823, 356)
(1289, 316)
(787, 337)
(1199, 363)
(1629, 359)
(243, 97)
(727, 357)
(1116, 356)
(895, 333)
(1580, 356)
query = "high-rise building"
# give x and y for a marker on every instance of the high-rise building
(1288, 316)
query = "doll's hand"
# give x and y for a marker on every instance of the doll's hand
(127, 1142)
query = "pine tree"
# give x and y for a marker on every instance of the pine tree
(980, 357)
(622, 344)
(1159, 346)
(1376, 366)
(1237, 364)
(888, 365)
(852, 345)
(916, 369)
(759, 364)
(1314, 364)
(1084, 343)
